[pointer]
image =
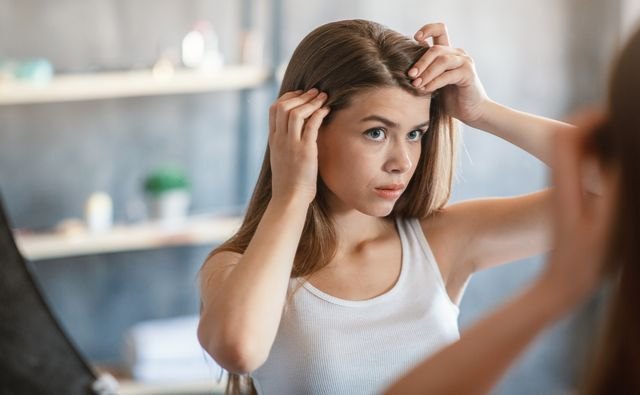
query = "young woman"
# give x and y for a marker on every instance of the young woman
(330, 285)
(595, 234)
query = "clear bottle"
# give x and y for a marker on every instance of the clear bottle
(200, 48)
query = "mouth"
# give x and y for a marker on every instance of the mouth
(390, 192)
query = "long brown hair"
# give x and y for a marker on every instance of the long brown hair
(343, 59)
(616, 367)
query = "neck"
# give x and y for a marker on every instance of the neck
(355, 230)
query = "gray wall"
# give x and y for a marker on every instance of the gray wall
(542, 56)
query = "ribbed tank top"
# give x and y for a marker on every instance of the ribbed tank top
(327, 345)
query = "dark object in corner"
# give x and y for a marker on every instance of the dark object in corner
(36, 356)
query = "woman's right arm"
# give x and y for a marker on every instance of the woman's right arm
(243, 295)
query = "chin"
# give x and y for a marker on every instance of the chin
(378, 210)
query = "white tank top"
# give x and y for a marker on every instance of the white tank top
(326, 345)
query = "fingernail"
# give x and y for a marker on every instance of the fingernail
(322, 95)
(313, 91)
(419, 35)
(417, 81)
(413, 72)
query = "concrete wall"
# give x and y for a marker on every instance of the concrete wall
(546, 57)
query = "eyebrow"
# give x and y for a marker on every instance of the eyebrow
(390, 123)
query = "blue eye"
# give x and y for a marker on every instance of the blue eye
(415, 135)
(376, 134)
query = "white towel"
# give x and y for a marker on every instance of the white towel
(168, 350)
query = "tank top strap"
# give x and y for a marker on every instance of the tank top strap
(420, 255)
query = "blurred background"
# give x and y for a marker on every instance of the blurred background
(106, 105)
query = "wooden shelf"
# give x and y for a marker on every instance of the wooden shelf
(78, 87)
(196, 230)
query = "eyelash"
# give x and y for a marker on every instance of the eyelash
(368, 133)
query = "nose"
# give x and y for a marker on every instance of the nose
(398, 159)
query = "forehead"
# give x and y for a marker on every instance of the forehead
(392, 103)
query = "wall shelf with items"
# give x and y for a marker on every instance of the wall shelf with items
(78, 87)
(249, 83)
(194, 231)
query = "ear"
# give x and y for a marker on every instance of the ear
(600, 189)
(593, 175)
(590, 170)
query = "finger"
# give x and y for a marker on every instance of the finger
(298, 115)
(284, 106)
(437, 31)
(431, 55)
(312, 126)
(438, 67)
(296, 98)
(452, 77)
(425, 60)
(272, 108)
(272, 119)
(290, 94)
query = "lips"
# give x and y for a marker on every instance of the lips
(391, 187)
(390, 192)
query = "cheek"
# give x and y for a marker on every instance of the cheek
(344, 168)
(333, 164)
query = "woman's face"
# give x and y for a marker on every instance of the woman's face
(369, 151)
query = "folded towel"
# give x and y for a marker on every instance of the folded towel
(178, 371)
(168, 350)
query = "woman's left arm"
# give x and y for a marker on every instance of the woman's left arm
(452, 71)
(532, 133)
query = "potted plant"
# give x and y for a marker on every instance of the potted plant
(169, 194)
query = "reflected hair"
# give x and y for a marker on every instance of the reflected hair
(614, 369)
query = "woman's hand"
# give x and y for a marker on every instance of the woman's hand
(452, 70)
(583, 210)
(294, 120)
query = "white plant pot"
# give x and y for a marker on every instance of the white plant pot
(171, 207)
